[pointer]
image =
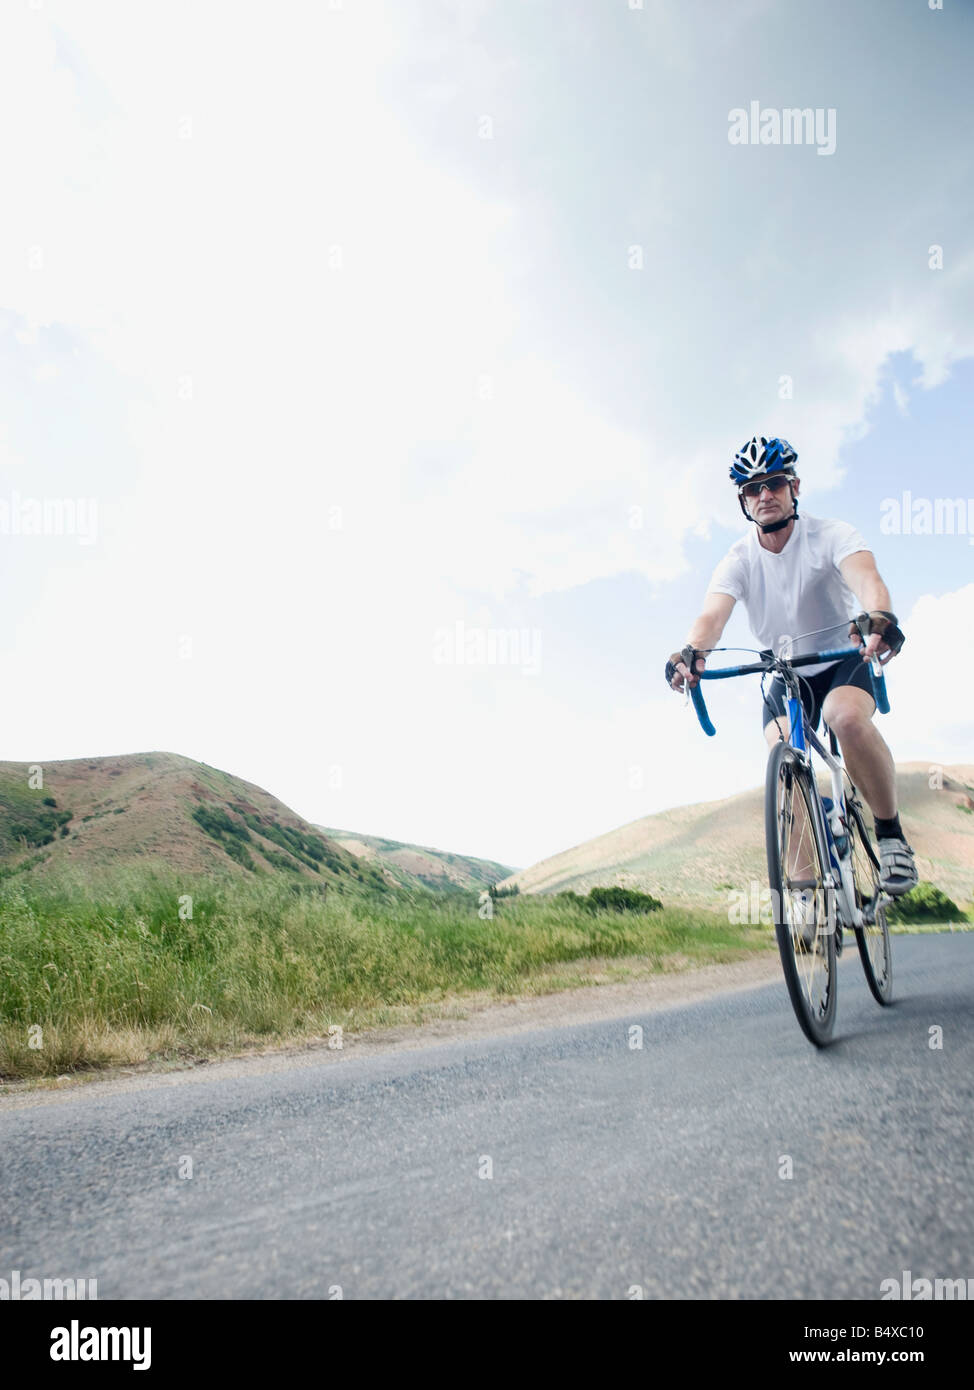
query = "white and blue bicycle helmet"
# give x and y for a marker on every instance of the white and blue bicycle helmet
(758, 458)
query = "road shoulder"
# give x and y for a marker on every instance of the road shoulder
(477, 1018)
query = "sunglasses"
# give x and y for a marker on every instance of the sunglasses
(772, 484)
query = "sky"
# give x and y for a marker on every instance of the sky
(384, 363)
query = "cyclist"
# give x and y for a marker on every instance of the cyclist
(796, 575)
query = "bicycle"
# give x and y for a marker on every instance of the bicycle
(826, 876)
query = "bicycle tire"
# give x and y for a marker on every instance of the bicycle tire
(875, 947)
(809, 967)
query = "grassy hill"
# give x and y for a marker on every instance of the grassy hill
(418, 865)
(694, 855)
(105, 813)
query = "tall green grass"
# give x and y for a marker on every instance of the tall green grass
(97, 970)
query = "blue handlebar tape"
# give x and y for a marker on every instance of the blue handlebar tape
(696, 695)
(879, 688)
(878, 684)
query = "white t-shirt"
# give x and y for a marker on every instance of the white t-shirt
(798, 590)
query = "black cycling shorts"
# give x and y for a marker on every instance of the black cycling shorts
(851, 670)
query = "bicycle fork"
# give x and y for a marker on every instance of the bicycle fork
(832, 833)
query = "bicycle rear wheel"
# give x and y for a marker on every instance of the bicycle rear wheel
(804, 907)
(875, 949)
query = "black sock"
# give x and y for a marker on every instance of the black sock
(888, 829)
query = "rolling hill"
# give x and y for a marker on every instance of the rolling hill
(696, 854)
(110, 811)
(412, 865)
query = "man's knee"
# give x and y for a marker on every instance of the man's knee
(849, 719)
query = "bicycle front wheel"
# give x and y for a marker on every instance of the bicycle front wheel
(872, 937)
(804, 905)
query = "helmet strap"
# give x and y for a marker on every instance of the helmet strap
(773, 525)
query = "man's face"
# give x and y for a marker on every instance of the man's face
(770, 506)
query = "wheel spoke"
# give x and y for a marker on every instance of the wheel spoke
(874, 943)
(804, 906)
(805, 892)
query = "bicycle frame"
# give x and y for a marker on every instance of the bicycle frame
(804, 740)
(849, 914)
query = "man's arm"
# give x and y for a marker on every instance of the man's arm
(863, 578)
(705, 632)
(860, 573)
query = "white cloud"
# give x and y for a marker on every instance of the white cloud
(482, 389)
(929, 683)
(206, 258)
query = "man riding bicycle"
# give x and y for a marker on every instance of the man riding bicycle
(799, 576)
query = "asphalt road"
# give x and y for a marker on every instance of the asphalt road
(613, 1168)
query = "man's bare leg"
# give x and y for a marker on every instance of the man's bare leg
(775, 730)
(848, 711)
